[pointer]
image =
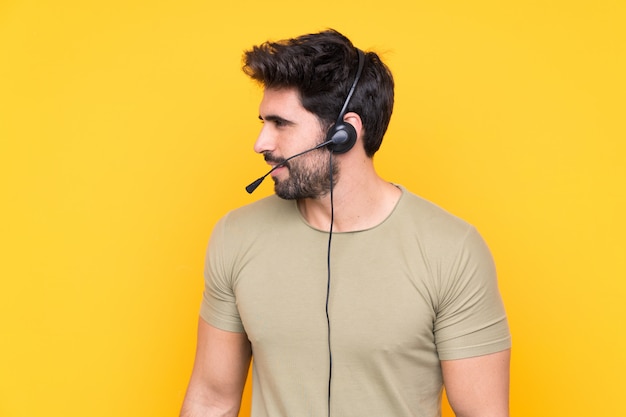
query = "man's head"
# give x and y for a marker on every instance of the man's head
(321, 67)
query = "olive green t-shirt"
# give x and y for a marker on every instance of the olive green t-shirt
(418, 288)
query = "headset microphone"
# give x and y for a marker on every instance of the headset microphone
(253, 186)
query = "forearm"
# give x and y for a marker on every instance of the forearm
(200, 403)
(202, 411)
(191, 409)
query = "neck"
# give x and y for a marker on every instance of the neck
(360, 202)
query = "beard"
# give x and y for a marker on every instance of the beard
(309, 176)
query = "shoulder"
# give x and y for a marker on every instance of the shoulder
(265, 207)
(258, 217)
(429, 219)
(439, 234)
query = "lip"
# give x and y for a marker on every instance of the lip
(277, 164)
(277, 168)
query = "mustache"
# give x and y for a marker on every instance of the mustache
(276, 161)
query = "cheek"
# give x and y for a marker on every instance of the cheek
(318, 163)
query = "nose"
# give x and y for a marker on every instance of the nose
(265, 141)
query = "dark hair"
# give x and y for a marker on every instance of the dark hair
(322, 67)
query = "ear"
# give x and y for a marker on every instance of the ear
(355, 120)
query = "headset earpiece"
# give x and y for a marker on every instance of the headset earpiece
(343, 135)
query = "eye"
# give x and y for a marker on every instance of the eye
(277, 121)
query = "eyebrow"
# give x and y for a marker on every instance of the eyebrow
(275, 118)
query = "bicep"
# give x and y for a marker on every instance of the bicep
(478, 386)
(220, 367)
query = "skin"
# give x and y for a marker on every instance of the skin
(479, 386)
(219, 373)
(476, 387)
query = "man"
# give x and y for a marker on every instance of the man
(355, 297)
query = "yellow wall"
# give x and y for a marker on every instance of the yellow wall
(126, 131)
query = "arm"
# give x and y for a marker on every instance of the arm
(478, 386)
(219, 373)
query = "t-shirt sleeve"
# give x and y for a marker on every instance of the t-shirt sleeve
(219, 307)
(471, 320)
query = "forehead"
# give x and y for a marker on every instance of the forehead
(283, 102)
